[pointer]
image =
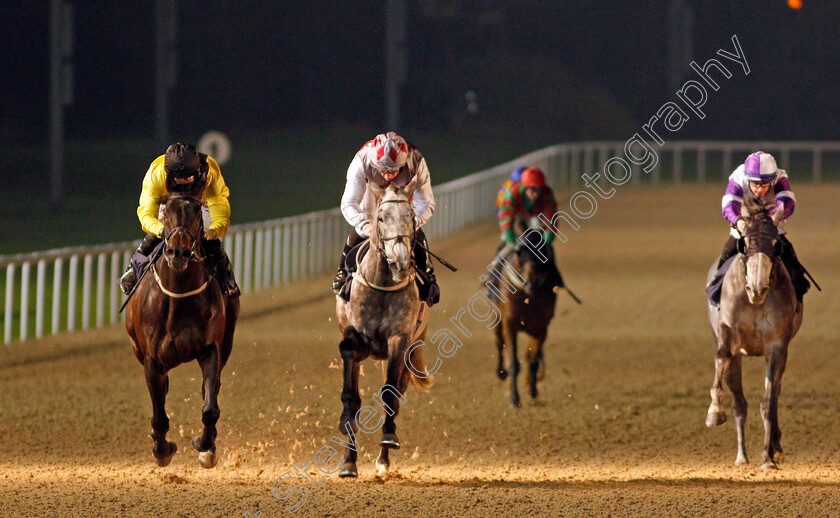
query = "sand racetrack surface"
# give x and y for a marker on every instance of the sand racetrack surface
(617, 429)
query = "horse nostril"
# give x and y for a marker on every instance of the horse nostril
(169, 251)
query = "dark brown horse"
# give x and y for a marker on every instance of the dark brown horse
(529, 309)
(179, 314)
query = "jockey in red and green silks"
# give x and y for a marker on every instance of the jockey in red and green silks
(524, 200)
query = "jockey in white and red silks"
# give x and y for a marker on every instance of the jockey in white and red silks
(759, 182)
(387, 159)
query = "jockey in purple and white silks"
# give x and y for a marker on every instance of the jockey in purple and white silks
(387, 159)
(759, 182)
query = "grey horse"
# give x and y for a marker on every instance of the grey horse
(758, 316)
(384, 318)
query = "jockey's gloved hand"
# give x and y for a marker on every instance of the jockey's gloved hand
(777, 217)
(362, 228)
(741, 225)
(211, 234)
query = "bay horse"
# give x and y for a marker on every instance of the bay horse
(528, 309)
(382, 319)
(179, 314)
(758, 316)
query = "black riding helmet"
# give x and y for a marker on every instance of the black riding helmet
(186, 169)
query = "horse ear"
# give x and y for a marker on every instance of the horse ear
(742, 245)
(410, 186)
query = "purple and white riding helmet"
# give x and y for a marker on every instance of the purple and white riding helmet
(760, 167)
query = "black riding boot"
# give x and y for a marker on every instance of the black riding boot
(218, 263)
(431, 293)
(730, 248)
(340, 278)
(129, 278)
(794, 268)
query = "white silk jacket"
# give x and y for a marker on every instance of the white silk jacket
(358, 203)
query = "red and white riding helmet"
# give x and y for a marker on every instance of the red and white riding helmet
(390, 151)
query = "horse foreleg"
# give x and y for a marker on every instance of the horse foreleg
(534, 355)
(390, 396)
(716, 416)
(739, 406)
(350, 399)
(158, 383)
(206, 442)
(510, 340)
(776, 361)
(501, 372)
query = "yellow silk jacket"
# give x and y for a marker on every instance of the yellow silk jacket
(215, 197)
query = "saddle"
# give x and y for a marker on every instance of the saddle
(351, 265)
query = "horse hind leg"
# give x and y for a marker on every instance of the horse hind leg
(157, 382)
(205, 443)
(739, 406)
(535, 364)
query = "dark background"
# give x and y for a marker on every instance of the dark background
(570, 70)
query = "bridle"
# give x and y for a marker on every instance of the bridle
(408, 240)
(196, 255)
(752, 247)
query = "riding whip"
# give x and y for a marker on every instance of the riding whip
(442, 260)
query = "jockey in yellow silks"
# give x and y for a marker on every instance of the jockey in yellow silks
(182, 169)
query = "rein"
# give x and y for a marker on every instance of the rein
(172, 293)
(405, 283)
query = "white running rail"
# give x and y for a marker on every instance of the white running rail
(76, 288)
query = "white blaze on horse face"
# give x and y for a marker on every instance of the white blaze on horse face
(396, 229)
(759, 267)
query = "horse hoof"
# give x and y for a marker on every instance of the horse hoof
(348, 470)
(207, 459)
(741, 460)
(164, 459)
(768, 465)
(502, 374)
(382, 468)
(515, 404)
(715, 418)
(390, 440)
(534, 393)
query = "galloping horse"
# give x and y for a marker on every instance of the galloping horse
(383, 317)
(177, 315)
(758, 316)
(529, 309)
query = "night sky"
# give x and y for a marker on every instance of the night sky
(577, 70)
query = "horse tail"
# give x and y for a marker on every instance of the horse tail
(416, 365)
